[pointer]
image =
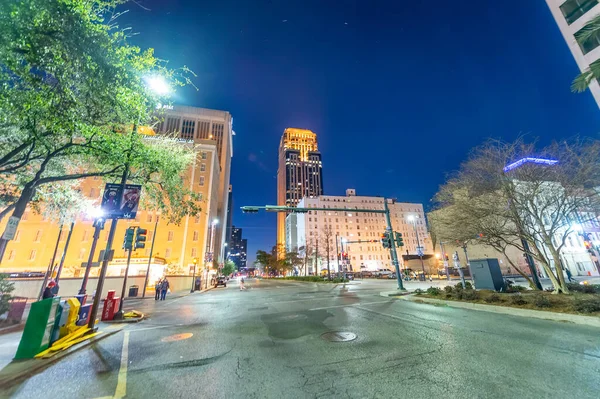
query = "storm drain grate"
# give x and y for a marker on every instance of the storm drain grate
(338, 336)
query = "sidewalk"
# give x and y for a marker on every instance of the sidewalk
(10, 342)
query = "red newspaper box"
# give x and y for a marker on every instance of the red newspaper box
(108, 311)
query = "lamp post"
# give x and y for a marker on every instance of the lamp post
(159, 86)
(413, 219)
(195, 261)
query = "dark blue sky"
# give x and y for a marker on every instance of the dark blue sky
(397, 91)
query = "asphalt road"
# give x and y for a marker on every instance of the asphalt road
(266, 342)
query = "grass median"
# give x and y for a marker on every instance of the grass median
(584, 300)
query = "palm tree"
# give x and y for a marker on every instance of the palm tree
(590, 30)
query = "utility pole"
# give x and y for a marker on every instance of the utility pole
(150, 258)
(419, 249)
(62, 259)
(108, 254)
(98, 226)
(464, 247)
(51, 264)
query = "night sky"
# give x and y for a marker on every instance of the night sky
(397, 91)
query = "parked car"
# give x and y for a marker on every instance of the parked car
(383, 273)
(349, 276)
(222, 280)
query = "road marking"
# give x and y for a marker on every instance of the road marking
(121, 390)
(356, 305)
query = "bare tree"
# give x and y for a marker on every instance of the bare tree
(538, 201)
(326, 242)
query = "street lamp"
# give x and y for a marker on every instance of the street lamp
(195, 261)
(413, 219)
(158, 85)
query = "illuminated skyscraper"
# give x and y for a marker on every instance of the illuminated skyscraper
(299, 173)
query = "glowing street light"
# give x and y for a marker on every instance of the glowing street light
(158, 85)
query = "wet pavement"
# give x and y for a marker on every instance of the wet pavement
(266, 342)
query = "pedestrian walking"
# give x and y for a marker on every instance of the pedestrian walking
(48, 291)
(242, 284)
(164, 287)
(157, 288)
(569, 275)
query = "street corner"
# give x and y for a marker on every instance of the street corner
(129, 317)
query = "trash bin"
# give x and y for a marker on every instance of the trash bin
(197, 284)
(133, 290)
(421, 277)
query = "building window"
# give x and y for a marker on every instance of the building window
(25, 216)
(197, 219)
(195, 237)
(573, 9)
(203, 154)
(92, 192)
(168, 253)
(38, 236)
(202, 167)
(11, 254)
(17, 236)
(589, 44)
(170, 236)
(81, 253)
(149, 218)
(172, 125)
(32, 254)
(187, 129)
(85, 236)
(201, 180)
(194, 252)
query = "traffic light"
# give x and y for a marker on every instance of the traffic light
(128, 240)
(140, 238)
(250, 209)
(399, 240)
(386, 240)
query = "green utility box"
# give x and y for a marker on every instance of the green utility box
(38, 329)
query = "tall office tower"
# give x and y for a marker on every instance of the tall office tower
(197, 124)
(571, 16)
(299, 174)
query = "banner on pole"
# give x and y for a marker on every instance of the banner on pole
(121, 204)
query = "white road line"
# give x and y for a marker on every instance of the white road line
(381, 313)
(156, 327)
(121, 390)
(351, 305)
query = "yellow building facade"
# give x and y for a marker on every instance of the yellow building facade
(175, 245)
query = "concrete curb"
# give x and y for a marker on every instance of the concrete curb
(13, 328)
(394, 294)
(17, 371)
(536, 314)
(126, 320)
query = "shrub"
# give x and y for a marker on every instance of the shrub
(541, 301)
(6, 287)
(585, 288)
(518, 300)
(468, 285)
(434, 291)
(493, 298)
(515, 288)
(587, 305)
(470, 295)
(419, 291)
(449, 290)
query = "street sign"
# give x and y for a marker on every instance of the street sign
(11, 228)
(420, 251)
(121, 205)
(93, 264)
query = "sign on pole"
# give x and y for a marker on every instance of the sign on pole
(11, 228)
(121, 204)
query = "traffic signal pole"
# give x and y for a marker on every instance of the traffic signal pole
(393, 252)
(119, 314)
(98, 226)
(385, 211)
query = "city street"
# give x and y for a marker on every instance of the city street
(266, 342)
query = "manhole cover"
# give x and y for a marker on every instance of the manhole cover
(338, 336)
(177, 337)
